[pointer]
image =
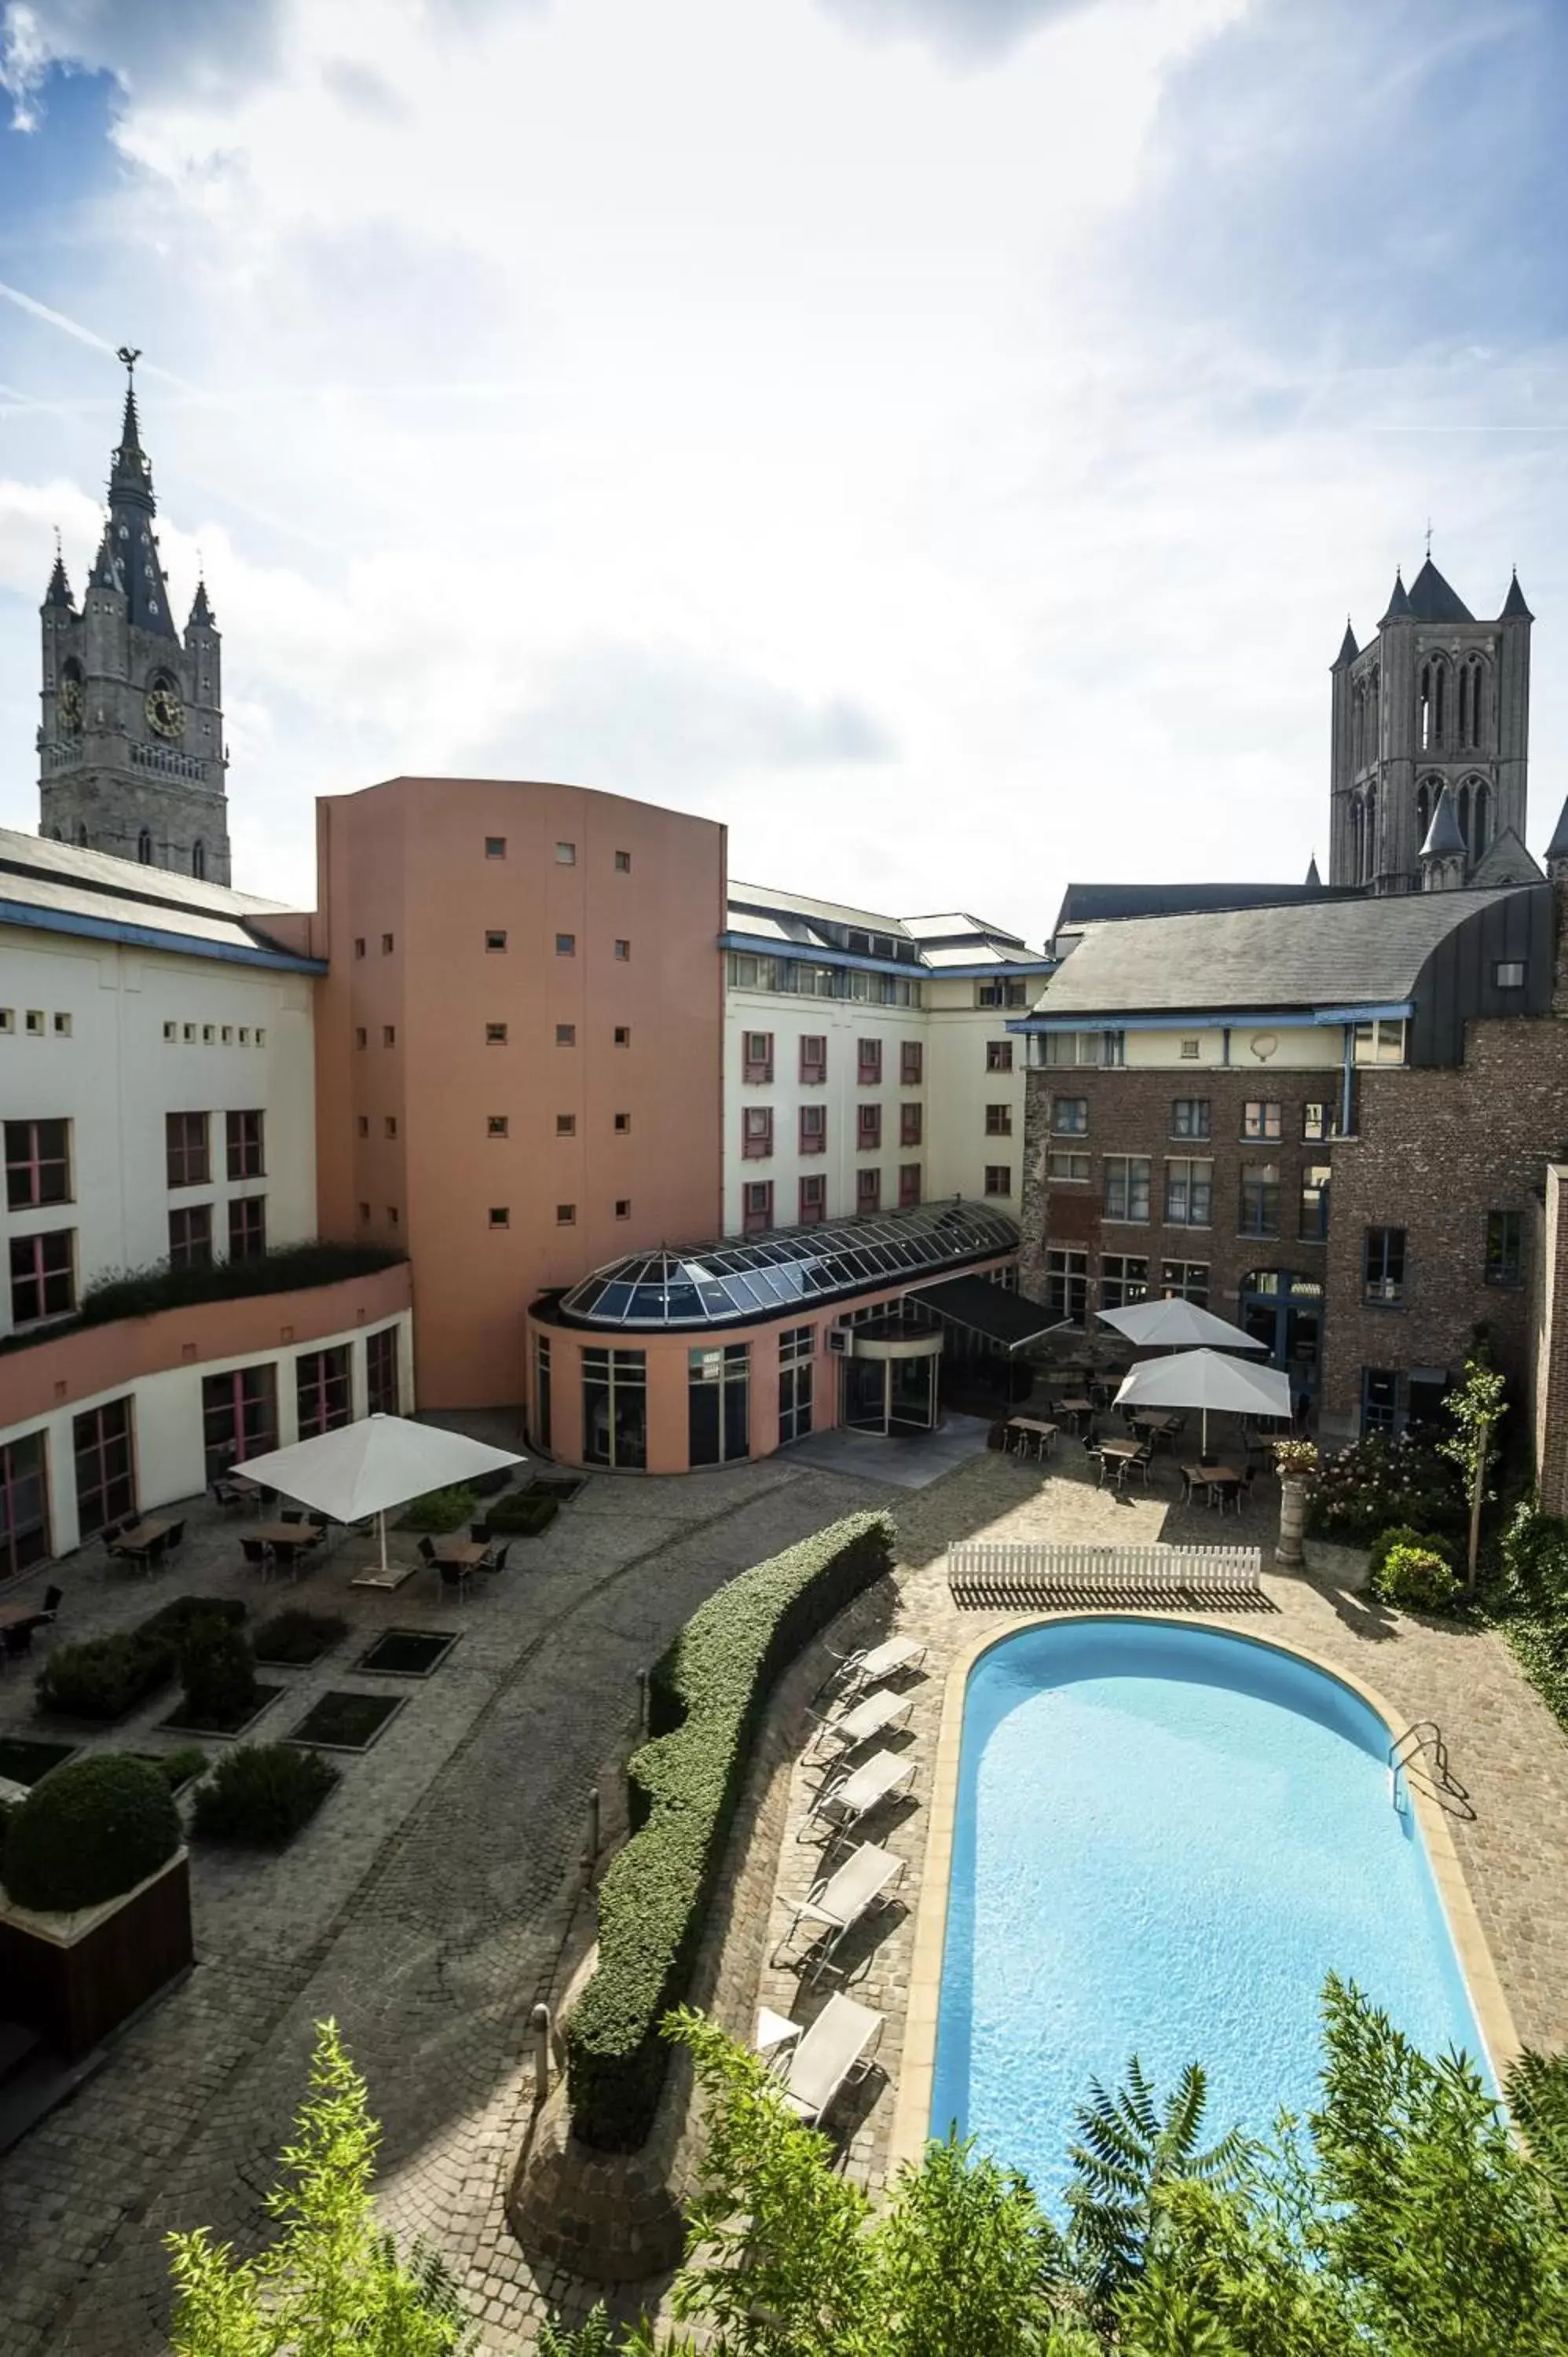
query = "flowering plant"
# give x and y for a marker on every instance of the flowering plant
(1376, 1481)
(1296, 1461)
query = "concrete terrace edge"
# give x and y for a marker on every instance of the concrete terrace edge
(911, 2118)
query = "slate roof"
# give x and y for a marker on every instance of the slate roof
(1558, 846)
(132, 511)
(1433, 601)
(1084, 904)
(1349, 649)
(64, 889)
(794, 921)
(1348, 953)
(1514, 607)
(1443, 836)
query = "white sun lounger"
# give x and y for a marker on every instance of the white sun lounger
(867, 1878)
(874, 1714)
(839, 2047)
(856, 1672)
(852, 1794)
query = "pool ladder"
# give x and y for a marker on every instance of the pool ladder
(1421, 1741)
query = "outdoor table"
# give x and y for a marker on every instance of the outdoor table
(12, 1616)
(1076, 1409)
(1209, 1476)
(135, 1545)
(1119, 1448)
(1032, 1427)
(466, 1553)
(1158, 1419)
(285, 1534)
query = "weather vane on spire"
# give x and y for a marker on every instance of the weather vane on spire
(1428, 520)
(128, 355)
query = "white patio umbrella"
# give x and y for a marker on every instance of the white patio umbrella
(368, 1467)
(1177, 1326)
(1207, 1379)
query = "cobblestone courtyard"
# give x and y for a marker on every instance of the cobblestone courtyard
(426, 1907)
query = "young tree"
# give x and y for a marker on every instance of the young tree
(332, 2285)
(1129, 2152)
(1474, 1411)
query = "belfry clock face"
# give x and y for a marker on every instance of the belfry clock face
(166, 713)
(68, 706)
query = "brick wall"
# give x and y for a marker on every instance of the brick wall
(1549, 1338)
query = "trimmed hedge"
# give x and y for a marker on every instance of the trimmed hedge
(104, 1677)
(522, 1515)
(440, 1510)
(706, 1696)
(142, 1292)
(261, 1794)
(93, 1829)
(294, 1639)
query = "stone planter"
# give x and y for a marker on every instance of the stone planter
(73, 1978)
(1289, 1554)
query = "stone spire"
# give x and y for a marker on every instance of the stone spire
(1398, 602)
(133, 511)
(1514, 607)
(1349, 649)
(200, 611)
(59, 591)
(1314, 881)
(1443, 854)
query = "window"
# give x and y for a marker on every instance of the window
(1188, 1280)
(756, 1056)
(62, 1028)
(813, 1057)
(911, 1122)
(868, 1128)
(1109, 1047)
(565, 855)
(999, 1179)
(1382, 1266)
(623, 952)
(248, 1227)
(755, 1206)
(238, 1416)
(1189, 1117)
(392, 1215)
(382, 1392)
(1382, 1042)
(541, 1391)
(998, 1121)
(868, 1063)
(389, 1035)
(1505, 1249)
(1509, 974)
(364, 1215)
(34, 1024)
(501, 1215)
(1261, 1118)
(495, 940)
(814, 1129)
(43, 1276)
(389, 1127)
(1259, 1212)
(1313, 1228)
(565, 945)
(1190, 1049)
(622, 1124)
(144, 847)
(1127, 1187)
(623, 863)
(911, 1063)
(1122, 1281)
(386, 945)
(999, 993)
(185, 1144)
(615, 1409)
(321, 1389)
(797, 1367)
(361, 1037)
(495, 1035)
(243, 1139)
(565, 1215)
(496, 1124)
(1069, 1116)
(1380, 1400)
(813, 1201)
(623, 1035)
(999, 1055)
(24, 1504)
(198, 860)
(623, 1207)
(495, 846)
(363, 1124)
(37, 1164)
(1318, 1123)
(565, 1124)
(1066, 1167)
(105, 1470)
(908, 1185)
(756, 1132)
(1189, 1194)
(1067, 1284)
(566, 1034)
(190, 1236)
(358, 945)
(749, 972)
(718, 1403)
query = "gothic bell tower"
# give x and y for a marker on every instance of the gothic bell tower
(130, 756)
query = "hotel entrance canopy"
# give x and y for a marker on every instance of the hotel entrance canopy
(1001, 1316)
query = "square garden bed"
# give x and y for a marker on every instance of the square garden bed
(177, 1723)
(346, 1722)
(408, 1653)
(561, 1487)
(292, 1639)
(27, 1759)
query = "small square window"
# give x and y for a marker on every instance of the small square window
(390, 1125)
(364, 1125)
(1509, 975)
(187, 1030)
(365, 1212)
(623, 1207)
(209, 1032)
(392, 1215)
(358, 945)
(497, 1125)
(62, 1028)
(228, 1034)
(565, 855)
(565, 945)
(623, 1123)
(495, 1035)
(361, 1037)
(494, 941)
(245, 1036)
(386, 945)
(623, 1035)
(500, 1216)
(261, 1036)
(565, 1124)
(623, 863)
(623, 950)
(565, 1215)
(389, 1035)
(1190, 1051)
(495, 846)
(171, 1030)
(8, 1022)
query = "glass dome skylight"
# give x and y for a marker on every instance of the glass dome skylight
(738, 1281)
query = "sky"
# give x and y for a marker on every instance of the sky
(940, 438)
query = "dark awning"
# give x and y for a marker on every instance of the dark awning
(990, 1309)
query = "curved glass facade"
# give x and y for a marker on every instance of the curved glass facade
(736, 1283)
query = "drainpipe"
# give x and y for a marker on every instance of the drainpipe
(1225, 1047)
(1347, 1082)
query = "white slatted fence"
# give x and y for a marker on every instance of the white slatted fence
(991, 1573)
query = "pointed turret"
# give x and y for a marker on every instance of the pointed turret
(1557, 849)
(107, 573)
(1314, 881)
(200, 611)
(1399, 603)
(1443, 854)
(1349, 649)
(132, 513)
(1433, 601)
(1514, 607)
(59, 591)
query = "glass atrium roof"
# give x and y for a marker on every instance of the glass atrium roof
(739, 1281)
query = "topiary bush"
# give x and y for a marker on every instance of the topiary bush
(176, 1619)
(296, 1638)
(261, 1794)
(522, 1515)
(1401, 1534)
(440, 1510)
(220, 1673)
(1418, 1578)
(706, 1696)
(104, 1677)
(92, 1830)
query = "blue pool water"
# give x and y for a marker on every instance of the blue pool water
(1166, 1838)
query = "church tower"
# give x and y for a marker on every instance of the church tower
(1436, 699)
(130, 756)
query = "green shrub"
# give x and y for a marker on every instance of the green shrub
(1535, 1561)
(1401, 1534)
(93, 1829)
(261, 1793)
(104, 1677)
(706, 1696)
(1417, 1579)
(220, 1673)
(182, 1766)
(1375, 1481)
(440, 1510)
(176, 1620)
(522, 1515)
(295, 1638)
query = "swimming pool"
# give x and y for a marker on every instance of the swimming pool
(1166, 1837)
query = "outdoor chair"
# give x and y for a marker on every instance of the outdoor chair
(1138, 1465)
(15, 1639)
(852, 1794)
(479, 1531)
(852, 1673)
(456, 1576)
(877, 1713)
(427, 1550)
(228, 1496)
(838, 2049)
(53, 1599)
(497, 1562)
(110, 1533)
(1226, 1493)
(174, 1539)
(258, 1556)
(838, 1901)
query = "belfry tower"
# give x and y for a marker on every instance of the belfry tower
(131, 754)
(1436, 699)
